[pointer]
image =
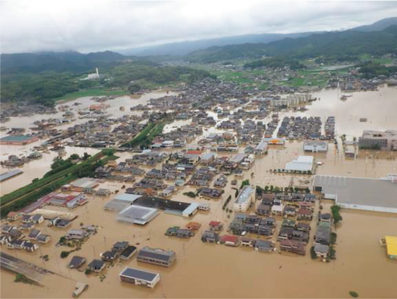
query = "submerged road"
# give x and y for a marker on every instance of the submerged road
(31, 271)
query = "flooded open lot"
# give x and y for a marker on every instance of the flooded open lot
(377, 106)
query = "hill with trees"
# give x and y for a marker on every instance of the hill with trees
(50, 77)
(344, 43)
(58, 61)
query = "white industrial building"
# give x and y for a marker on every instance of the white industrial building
(367, 194)
(190, 210)
(137, 215)
(244, 199)
(302, 163)
(315, 146)
(121, 201)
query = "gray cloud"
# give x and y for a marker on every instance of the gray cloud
(94, 26)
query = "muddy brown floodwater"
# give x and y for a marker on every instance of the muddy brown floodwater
(205, 270)
(37, 168)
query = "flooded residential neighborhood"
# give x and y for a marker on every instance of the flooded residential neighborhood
(194, 256)
(203, 155)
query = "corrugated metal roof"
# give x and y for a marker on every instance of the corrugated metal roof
(359, 191)
(10, 174)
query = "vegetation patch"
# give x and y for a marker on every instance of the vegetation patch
(22, 278)
(35, 190)
(190, 194)
(226, 202)
(335, 209)
(244, 183)
(146, 136)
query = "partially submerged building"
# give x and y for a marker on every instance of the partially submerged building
(156, 256)
(302, 163)
(18, 139)
(139, 277)
(359, 193)
(245, 198)
(378, 140)
(137, 215)
(315, 146)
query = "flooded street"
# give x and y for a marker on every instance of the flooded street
(37, 168)
(218, 268)
(204, 270)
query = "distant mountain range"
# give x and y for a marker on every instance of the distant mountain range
(377, 26)
(186, 47)
(57, 61)
(378, 38)
(329, 44)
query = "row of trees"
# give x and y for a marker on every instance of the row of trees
(276, 189)
(309, 172)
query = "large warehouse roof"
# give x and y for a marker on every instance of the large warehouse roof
(302, 163)
(137, 215)
(359, 193)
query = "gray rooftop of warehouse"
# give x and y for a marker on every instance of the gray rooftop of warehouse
(121, 201)
(262, 145)
(137, 214)
(16, 138)
(359, 191)
(10, 174)
(85, 183)
(139, 274)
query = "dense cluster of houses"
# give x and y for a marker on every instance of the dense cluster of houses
(300, 128)
(25, 236)
(17, 161)
(121, 250)
(323, 237)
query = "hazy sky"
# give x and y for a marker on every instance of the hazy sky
(28, 26)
